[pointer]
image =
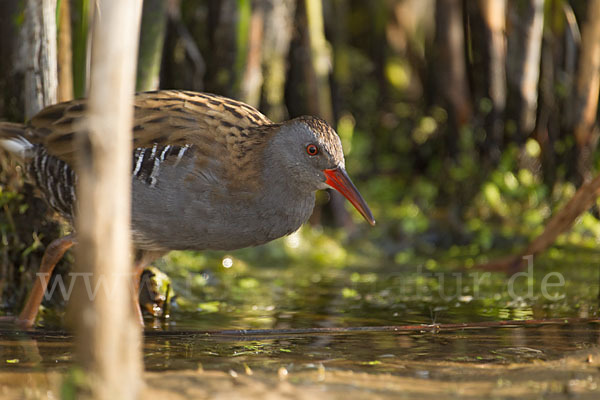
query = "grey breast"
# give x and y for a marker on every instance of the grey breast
(177, 205)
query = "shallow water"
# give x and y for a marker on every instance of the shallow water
(559, 359)
(388, 331)
(369, 351)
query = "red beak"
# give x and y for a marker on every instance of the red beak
(338, 179)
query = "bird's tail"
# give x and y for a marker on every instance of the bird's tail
(12, 139)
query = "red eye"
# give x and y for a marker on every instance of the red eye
(312, 150)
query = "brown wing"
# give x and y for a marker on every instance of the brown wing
(209, 123)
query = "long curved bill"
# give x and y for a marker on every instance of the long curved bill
(338, 179)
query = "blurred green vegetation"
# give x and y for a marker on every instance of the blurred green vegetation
(290, 283)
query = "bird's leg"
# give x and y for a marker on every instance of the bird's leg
(142, 260)
(54, 252)
(137, 273)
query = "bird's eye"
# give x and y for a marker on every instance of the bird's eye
(312, 150)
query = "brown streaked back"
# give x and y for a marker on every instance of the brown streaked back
(167, 117)
(211, 125)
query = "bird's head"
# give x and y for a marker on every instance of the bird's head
(311, 151)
